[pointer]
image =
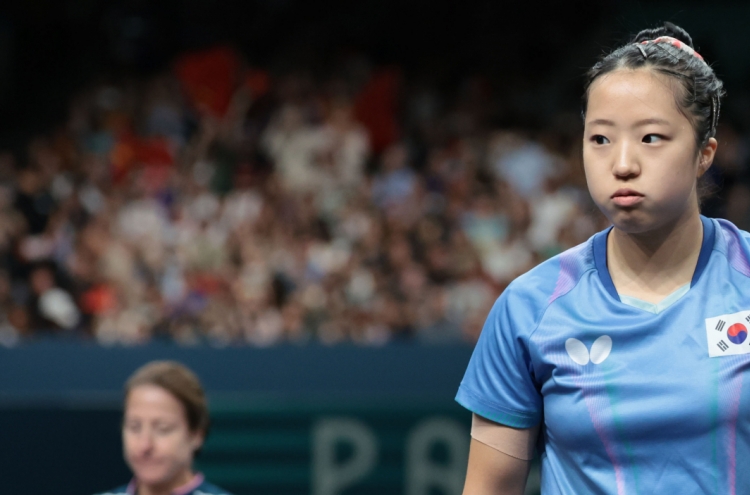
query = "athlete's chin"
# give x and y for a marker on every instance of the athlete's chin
(153, 474)
(632, 220)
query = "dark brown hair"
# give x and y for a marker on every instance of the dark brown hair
(700, 91)
(179, 381)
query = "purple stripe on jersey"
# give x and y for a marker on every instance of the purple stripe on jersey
(732, 464)
(571, 265)
(730, 388)
(735, 254)
(597, 409)
(591, 385)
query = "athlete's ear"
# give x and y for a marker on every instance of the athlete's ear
(706, 157)
(196, 440)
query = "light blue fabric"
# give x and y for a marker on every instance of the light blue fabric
(658, 307)
(630, 400)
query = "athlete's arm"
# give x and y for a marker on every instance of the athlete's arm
(492, 472)
(499, 458)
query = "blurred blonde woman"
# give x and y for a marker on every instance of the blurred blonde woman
(164, 425)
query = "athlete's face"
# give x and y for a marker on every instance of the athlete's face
(157, 440)
(639, 151)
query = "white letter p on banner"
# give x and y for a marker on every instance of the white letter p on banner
(422, 472)
(329, 476)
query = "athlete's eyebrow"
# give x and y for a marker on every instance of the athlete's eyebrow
(640, 123)
(602, 122)
(651, 121)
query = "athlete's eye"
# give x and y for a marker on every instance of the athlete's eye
(652, 138)
(599, 139)
(164, 429)
(133, 427)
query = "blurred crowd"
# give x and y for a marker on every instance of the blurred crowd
(219, 204)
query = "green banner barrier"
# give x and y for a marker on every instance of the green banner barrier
(342, 448)
(287, 420)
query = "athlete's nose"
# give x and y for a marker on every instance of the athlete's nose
(626, 164)
(144, 442)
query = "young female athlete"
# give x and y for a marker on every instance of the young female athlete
(623, 359)
(164, 425)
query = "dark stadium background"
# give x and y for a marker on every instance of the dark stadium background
(274, 408)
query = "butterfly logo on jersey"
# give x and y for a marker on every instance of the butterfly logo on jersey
(726, 335)
(580, 354)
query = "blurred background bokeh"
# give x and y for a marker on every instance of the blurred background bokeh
(312, 204)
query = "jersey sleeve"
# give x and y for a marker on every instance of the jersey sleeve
(498, 383)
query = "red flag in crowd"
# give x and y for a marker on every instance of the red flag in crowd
(376, 107)
(209, 78)
(131, 152)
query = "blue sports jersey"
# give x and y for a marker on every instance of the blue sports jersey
(198, 486)
(634, 400)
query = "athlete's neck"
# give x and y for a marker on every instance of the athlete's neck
(168, 488)
(651, 265)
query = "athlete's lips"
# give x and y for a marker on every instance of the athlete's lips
(627, 197)
(148, 467)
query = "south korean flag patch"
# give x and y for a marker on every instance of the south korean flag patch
(728, 334)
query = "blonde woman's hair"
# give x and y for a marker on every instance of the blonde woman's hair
(179, 381)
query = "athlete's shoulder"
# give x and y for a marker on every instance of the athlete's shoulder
(734, 244)
(523, 303)
(207, 488)
(557, 275)
(121, 490)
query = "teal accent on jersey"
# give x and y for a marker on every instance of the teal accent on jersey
(658, 307)
(630, 400)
